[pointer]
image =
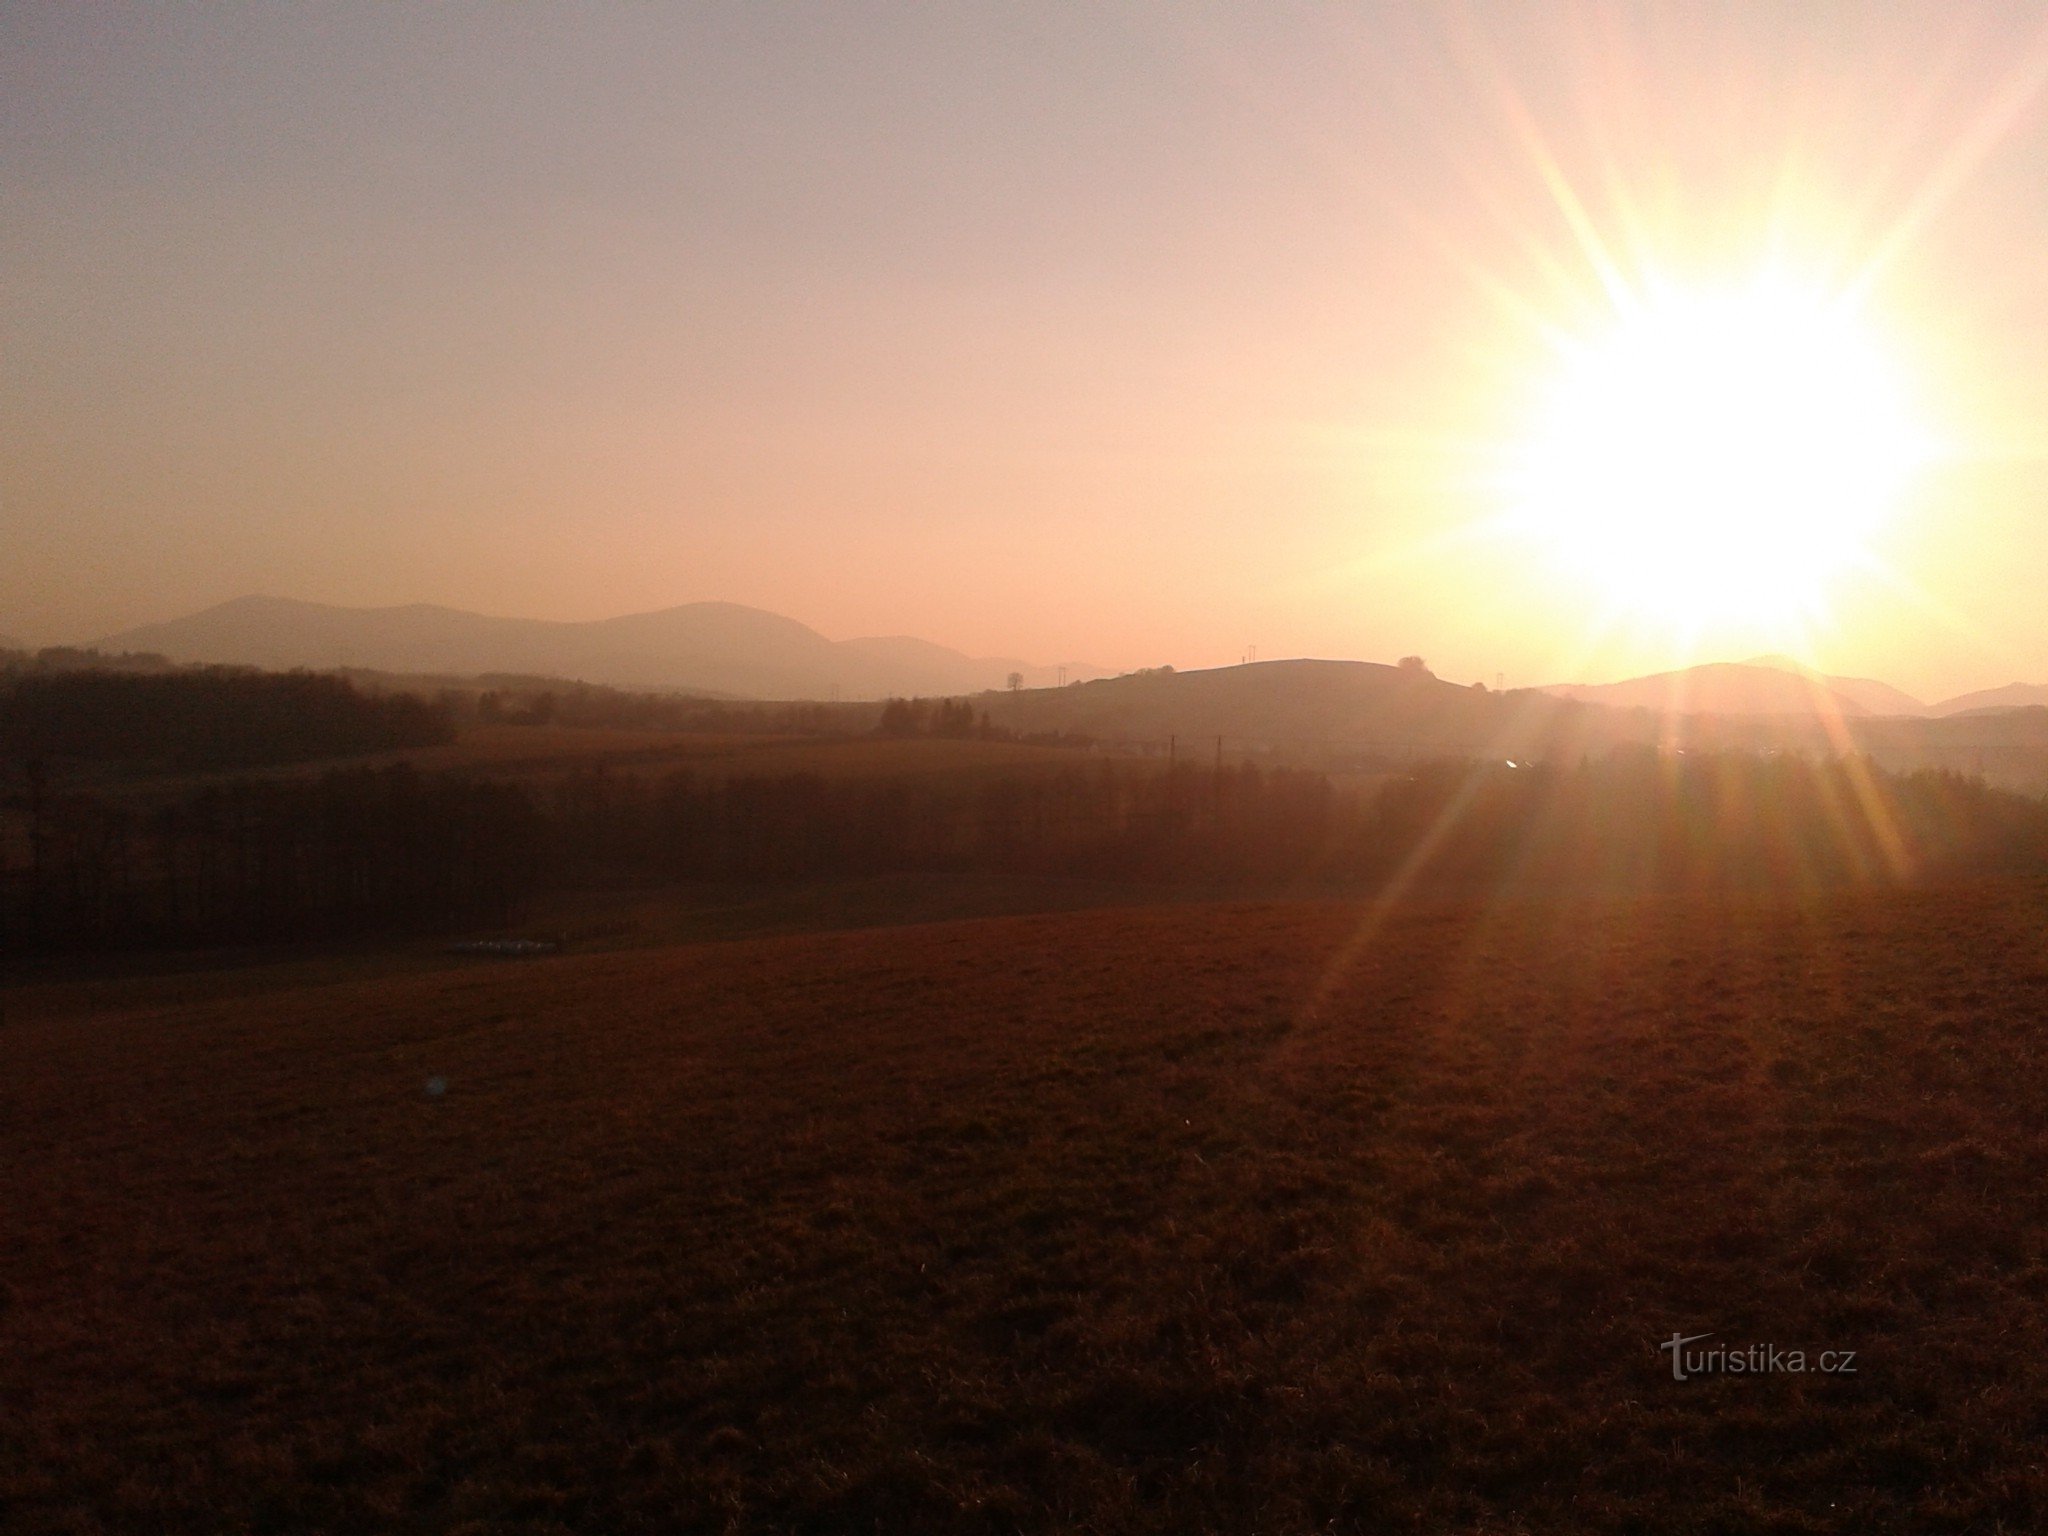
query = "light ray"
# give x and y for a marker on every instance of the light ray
(1986, 131)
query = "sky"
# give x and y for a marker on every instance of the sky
(1126, 334)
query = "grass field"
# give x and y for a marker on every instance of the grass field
(1257, 1217)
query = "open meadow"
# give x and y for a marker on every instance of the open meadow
(1269, 1216)
(539, 755)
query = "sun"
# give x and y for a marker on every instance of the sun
(1717, 456)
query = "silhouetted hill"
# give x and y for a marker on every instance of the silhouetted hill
(1740, 688)
(1337, 714)
(710, 647)
(2011, 696)
(1876, 697)
(1306, 709)
(1777, 685)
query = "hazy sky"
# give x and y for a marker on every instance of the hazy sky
(1131, 334)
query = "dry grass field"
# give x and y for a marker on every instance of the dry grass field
(1235, 1218)
(537, 754)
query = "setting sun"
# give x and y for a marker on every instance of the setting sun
(1717, 456)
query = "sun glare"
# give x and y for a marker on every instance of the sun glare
(1717, 457)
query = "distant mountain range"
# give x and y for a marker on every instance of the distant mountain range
(1770, 687)
(1777, 685)
(2011, 696)
(726, 650)
(716, 648)
(1343, 716)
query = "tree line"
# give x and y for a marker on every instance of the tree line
(396, 850)
(1633, 820)
(206, 717)
(355, 851)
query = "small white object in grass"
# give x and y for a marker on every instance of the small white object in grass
(436, 1086)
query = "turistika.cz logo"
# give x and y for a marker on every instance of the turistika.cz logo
(1750, 1360)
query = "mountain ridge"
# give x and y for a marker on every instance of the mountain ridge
(1778, 685)
(1727, 688)
(732, 650)
(2011, 696)
(713, 646)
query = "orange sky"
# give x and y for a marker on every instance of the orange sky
(1128, 335)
